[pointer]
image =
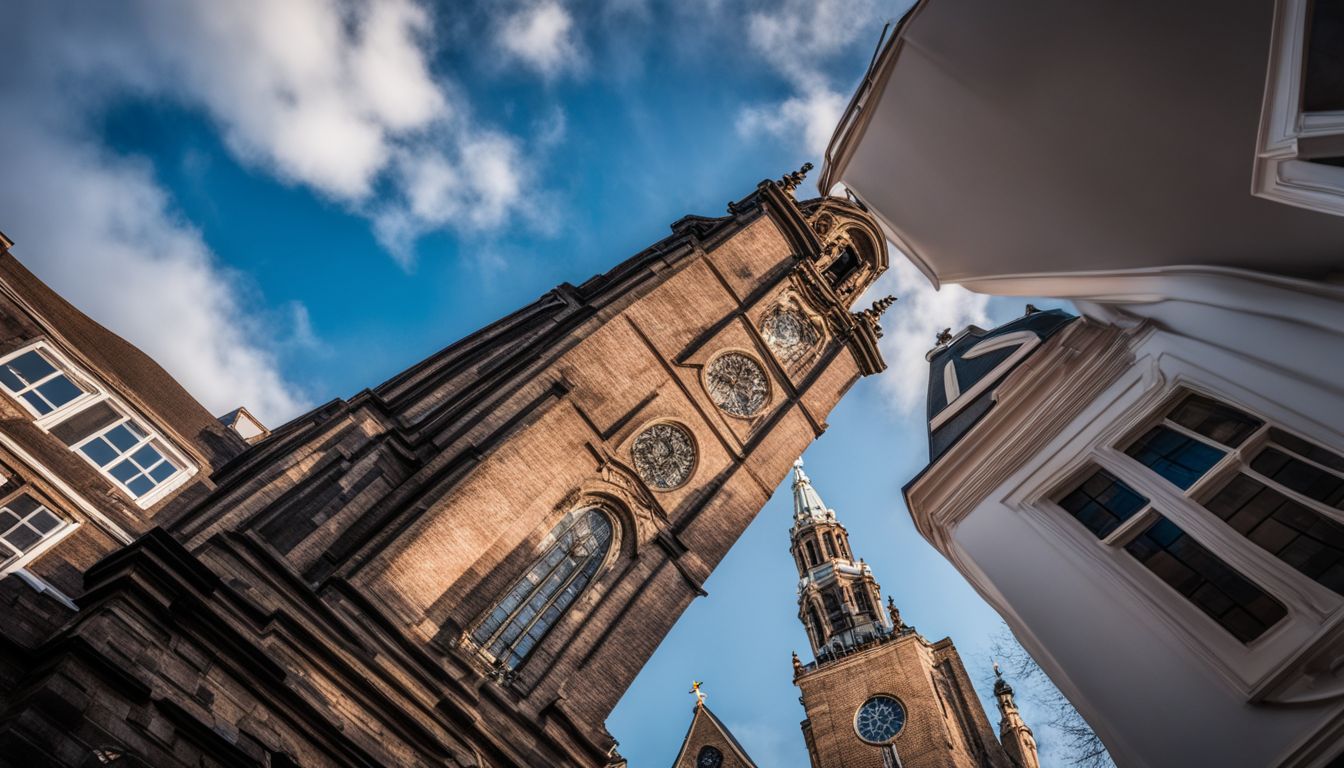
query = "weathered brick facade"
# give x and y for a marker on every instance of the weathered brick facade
(312, 599)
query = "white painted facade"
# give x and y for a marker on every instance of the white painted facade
(1082, 152)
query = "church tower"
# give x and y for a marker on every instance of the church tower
(1017, 739)
(877, 693)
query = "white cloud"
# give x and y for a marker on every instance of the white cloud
(541, 36)
(909, 327)
(334, 95)
(794, 37)
(808, 118)
(100, 231)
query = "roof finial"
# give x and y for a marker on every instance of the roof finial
(882, 305)
(944, 336)
(1032, 309)
(791, 181)
(797, 664)
(699, 694)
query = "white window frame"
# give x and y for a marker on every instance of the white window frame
(95, 393)
(63, 366)
(1254, 669)
(1281, 171)
(56, 536)
(185, 469)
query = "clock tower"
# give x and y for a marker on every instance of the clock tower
(877, 693)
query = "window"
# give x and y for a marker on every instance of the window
(36, 380)
(1104, 504)
(843, 267)
(1175, 456)
(1226, 596)
(1297, 158)
(811, 548)
(570, 557)
(834, 612)
(92, 423)
(24, 524)
(830, 544)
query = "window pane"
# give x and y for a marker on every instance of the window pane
(38, 404)
(124, 471)
(9, 379)
(1296, 534)
(1214, 420)
(44, 522)
(1227, 597)
(7, 520)
(1102, 503)
(121, 437)
(23, 538)
(165, 470)
(59, 391)
(1308, 450)
(1298, 475)
(146, 457)
(140, 486)
(99, 452)
(30, 367)
(1179, 459)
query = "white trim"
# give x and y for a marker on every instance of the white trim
(1280, 173)
(116, 531)
(951, 387)
(57, 536)
(1027, 340)
(63, 366)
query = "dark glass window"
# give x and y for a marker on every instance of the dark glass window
(1239, 606)
(1299, 536)
(1307, 450)
(24, 523)
(1297, 475)
(573, 552)
(40, 383)
(830, 545)
(709, 757)
(1214, 420)
(1323, 81)
(1180, 459)
(811, 548)
(1102, 503)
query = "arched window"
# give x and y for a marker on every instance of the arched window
(570, 556)
(833, 611)
(862, 602)
(812, 558)
(830, 545)
(844, 265)
(818, 628)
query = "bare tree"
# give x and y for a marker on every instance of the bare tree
(1079, 744)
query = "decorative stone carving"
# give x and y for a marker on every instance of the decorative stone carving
(789, 334)
(737, 384)
(664, 456)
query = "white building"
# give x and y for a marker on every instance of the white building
(1153, 494)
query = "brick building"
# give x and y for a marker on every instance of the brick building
(878, 694)
(464, 566)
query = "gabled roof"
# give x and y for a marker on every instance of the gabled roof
(708, 730)
(964, 370)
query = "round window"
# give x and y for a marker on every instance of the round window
(879, 719)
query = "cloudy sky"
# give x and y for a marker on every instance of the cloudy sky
(286, 202)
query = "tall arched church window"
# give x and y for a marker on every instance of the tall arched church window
(830, 545)
(844, 266)
(818, 628)
(812, 558)
(570, 557)
(833, 611)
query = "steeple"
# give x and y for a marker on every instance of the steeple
(1017, 739)
(839, 602)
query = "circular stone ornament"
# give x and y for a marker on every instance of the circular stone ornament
(664, 456)
(737, 384)
(788, 333)
(879, 719)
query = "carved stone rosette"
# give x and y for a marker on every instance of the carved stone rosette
(664, 456)
(736, 383)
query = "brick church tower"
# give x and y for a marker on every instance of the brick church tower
(468, 564)
(878, 694)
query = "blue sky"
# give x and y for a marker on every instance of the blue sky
(289, 202)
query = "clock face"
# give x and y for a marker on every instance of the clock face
(709, 758)
(737, 384)
(879, 720)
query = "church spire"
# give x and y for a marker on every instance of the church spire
(1016, 738)
(839, 602)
